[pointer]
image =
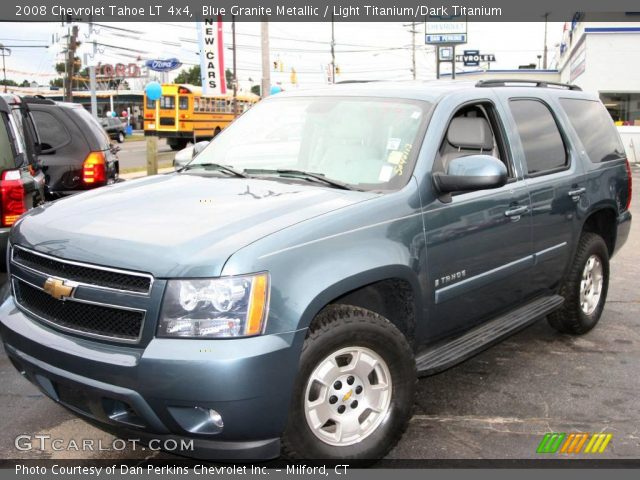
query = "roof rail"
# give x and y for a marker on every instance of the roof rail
(536, 83)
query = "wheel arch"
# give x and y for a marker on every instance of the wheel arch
(603, 221)
(391, 291)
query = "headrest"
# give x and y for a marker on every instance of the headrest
(471, 133)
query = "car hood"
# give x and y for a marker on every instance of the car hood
(175, 225)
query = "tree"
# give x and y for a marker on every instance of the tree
(8, 82)
(191, 76)
(56, 82)
(255, 90)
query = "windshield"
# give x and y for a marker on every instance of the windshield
(368, 143)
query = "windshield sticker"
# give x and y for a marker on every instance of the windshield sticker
(395, 157)
(386, 172)
(393, 144)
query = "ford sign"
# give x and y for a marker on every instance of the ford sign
(163, 65)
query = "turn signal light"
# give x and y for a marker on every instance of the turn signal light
(94, 169)
(12, 196)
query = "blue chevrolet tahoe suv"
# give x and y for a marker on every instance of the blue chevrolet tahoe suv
(281, 293)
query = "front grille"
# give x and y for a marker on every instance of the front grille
(83, 274)
(79, 317)
(167, 121)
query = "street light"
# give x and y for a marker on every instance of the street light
(6, 52)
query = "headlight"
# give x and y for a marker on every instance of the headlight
(211, 308)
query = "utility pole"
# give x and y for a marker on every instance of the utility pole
(544, 57)
(92, 73)
(333, 51)
(265, 84)
(71, 54)
(235, 72)
(6, 52)
(413, 32)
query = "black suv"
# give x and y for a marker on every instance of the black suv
(76, 152)
(114, 128)
(21, 180)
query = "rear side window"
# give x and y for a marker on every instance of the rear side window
(6, 150)
(95, 128)
(544, 150)
(594, 126)
(51, 131)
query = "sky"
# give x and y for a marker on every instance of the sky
(364, 51)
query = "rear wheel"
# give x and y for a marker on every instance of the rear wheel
(216, 131)
(585, 289)
(354, 393)
(120, 137)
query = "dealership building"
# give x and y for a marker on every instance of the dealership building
(599, 57)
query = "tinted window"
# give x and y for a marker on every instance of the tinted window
(100, 135)
(184, 103)
(594, 126)
(6, 152)
(51, 131)
(541, 141)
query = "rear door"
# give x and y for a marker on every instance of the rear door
(554, 177)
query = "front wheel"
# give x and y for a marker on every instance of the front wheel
(585, 288)
(120, 137)
(354, 393)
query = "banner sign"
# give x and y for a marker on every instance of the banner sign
(472, 58)
(451, 30)
(212, 57)
(163, 65)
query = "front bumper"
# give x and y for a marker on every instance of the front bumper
(129, 391)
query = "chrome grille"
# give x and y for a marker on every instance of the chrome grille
(77, 316)
(81, 273)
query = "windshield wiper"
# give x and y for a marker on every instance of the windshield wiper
(302, 173)
(217, 166)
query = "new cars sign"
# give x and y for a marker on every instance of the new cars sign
(211, 56)
(163, 65)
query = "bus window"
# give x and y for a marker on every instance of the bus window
(183, 103)
(167, 102)
(196, 104)
(151, 104)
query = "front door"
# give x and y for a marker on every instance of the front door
(479, 242)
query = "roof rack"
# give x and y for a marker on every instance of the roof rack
(536, 83)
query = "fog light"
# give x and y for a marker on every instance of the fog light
(198, 419)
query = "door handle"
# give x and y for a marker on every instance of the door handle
(575, 194)
(515, 213)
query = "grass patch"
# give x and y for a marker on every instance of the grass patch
(134, 138)
(144, 169)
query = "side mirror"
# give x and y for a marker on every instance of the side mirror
(473, 172)
(199, 147)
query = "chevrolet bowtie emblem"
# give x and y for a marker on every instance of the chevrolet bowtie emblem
(57, 289)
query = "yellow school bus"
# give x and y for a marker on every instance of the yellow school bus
(183, 115)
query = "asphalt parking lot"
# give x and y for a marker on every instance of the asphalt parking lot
(498, 405)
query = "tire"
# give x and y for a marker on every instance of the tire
(576, 317)
(175, 147)
(120, 138)
(216, 132)
(340, 332)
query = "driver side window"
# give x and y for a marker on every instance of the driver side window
(473, 130)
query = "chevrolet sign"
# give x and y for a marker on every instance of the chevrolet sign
(163, 65)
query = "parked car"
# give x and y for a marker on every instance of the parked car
(115, 128)
(188, 153)
(76, 152)
(21, 179)
(266, 309)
